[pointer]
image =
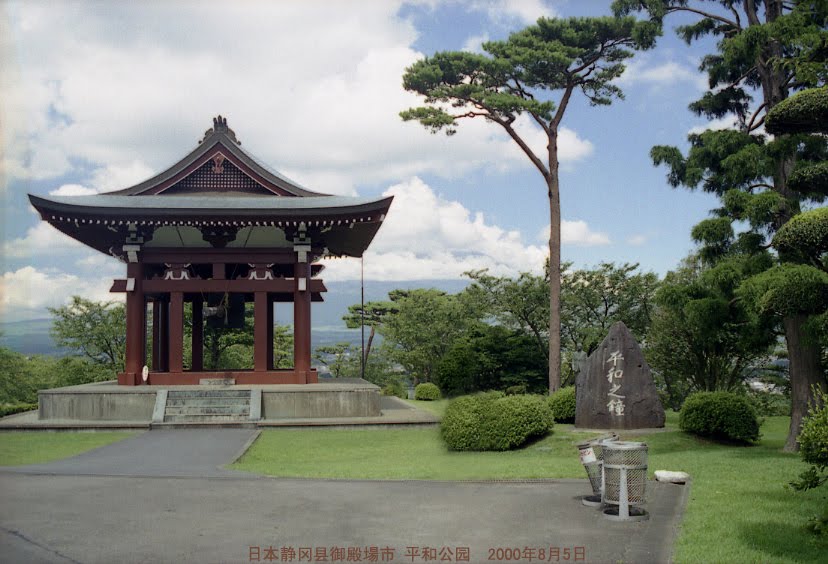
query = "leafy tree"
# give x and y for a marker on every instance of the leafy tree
(517, 78)
(593, 299)
(15, 386)
(93, 329)
(21, 377)
(520, 304)
(424, 327)
(702, 338)
(335, 357)
(373, 314)
(764, 52)
(492, 358)
(282, 346)
(379, 370)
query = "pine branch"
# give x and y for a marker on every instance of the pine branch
(721, 19)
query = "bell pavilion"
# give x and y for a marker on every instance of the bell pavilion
(217, 230)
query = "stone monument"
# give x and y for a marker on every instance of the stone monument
(616, 389)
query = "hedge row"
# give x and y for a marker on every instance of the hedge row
(16, 408)
(493, 421)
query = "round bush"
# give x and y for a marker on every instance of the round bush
(813, 437)
(426, 392)
(562, 405)
(720, 415)
(492, 421)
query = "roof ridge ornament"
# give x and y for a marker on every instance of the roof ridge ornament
(220, 126)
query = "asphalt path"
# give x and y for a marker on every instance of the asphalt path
(197, 453)
(112, 505)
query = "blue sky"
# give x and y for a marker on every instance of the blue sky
(99, 96)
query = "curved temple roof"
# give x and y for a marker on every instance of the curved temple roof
(216, 185)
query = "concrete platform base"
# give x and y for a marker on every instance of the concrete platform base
(96, 406)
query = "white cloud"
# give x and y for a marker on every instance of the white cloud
(663, 74)
(577, 233)
(427, 236)
(73, 190)
(27, 292)
(474, 44)
(636, 240)
(727, 122)
(100, 263)
(116, 176)
(524, 11)
(42, 239)
(120, 94)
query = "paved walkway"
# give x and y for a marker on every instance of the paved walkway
(197, 453)
(159, 497)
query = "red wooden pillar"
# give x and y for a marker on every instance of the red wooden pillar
(302, 320)
(197, 363)
(176, 332)
(135, 327)
(164, 335)
(261, 359)
(270, 332)
(156, 335)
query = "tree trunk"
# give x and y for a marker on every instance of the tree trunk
(368, 347)
(554, 265)
(805, 372)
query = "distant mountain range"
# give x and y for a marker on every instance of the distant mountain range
(32, 336)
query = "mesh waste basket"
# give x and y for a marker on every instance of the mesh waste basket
(592, 456)
(625, 480)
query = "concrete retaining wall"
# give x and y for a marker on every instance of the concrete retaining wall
(320, 404)
(109, 402)
(97, 406)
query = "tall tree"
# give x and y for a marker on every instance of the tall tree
(765, 51)
(517, 77)
(95, 330)
(373, 314)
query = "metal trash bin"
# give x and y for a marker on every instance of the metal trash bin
(592, 456)
(625, 480)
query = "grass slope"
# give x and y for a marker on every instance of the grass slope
(31, 447)
(739, 509)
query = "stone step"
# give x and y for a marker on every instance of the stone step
(232, 400)
(203, 418)
(178, 394)
(214, 410)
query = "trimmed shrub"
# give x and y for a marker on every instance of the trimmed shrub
(16, 408)
(492, 421)
(813, 437)
(516, 419)
(720, 416)
(562, 405)
(426, 392)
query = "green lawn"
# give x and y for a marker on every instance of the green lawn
(33, 447)
(739, 509)
(437, 407)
